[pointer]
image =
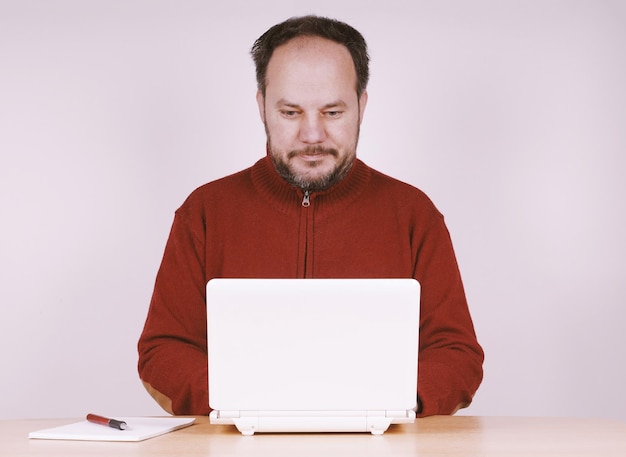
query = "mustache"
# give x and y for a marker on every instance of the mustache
(313, 150)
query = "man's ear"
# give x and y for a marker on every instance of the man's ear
(362, 104)
(260, 100)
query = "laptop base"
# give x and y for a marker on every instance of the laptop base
(250, 422)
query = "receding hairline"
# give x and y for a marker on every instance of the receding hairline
(313, 26)
(302, 42)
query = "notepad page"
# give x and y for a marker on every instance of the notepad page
(139, 429)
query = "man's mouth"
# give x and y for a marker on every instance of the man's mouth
(313, 153)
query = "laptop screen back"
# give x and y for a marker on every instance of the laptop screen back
(312, 344)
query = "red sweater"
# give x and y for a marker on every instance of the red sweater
(253, 224)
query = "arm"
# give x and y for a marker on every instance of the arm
(450, 360)
(173, 344)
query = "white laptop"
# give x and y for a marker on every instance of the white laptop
(312, 355)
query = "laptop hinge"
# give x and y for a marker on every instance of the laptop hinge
(401, 417)
(221, 414)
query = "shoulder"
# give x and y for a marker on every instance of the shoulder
(400, 193)
(225, 190)
(225, 184)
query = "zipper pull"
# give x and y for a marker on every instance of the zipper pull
(306, 202)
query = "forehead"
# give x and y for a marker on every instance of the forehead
(311, 64)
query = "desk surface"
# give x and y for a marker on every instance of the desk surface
(432, 436)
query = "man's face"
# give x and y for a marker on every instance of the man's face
(311, 112)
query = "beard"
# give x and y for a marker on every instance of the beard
(312, 183)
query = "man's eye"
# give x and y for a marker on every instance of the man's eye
(333, 113)
(289, 113)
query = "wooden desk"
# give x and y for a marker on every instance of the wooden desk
(433, 436)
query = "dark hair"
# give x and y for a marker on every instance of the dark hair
(313, 26)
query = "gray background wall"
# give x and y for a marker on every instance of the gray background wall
(511, 115)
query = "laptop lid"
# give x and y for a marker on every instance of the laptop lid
(312, 347)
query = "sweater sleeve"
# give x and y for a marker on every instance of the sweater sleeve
(450, 360)
(173, 345)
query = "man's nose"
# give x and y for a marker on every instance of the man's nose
(312, 129)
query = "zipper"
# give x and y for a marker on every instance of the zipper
(305, 243)
(306, 202)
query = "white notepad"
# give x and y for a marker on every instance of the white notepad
(139, 429)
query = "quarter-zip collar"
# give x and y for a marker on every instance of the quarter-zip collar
(286, 198)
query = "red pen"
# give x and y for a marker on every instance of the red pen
(113, 423)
